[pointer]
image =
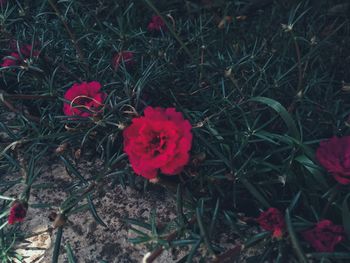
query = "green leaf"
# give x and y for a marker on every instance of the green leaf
(203, 231)
(72, 169)
(41, 205)
(258, 237)
(252, 189)
(3, 225)
(183, 242)
(70, 255)
(139, 240)
(56, 250)
(94, 212)
(213, 220)
(312, 168)
(153, 222)
(287, 118)
(294, 201)
(5, 213)
(295, 243)
(7, 198)
(214, 150)
(138, 232)
(193, 251)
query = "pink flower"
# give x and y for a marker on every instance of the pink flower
(18, 212)
(157, 24)
(160, 140)
(123, 57)
(27, 49)
(324, 236)
(334, 155)
(85, 99)
(272, 220)
(14, 58)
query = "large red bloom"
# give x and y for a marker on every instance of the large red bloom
(334, 155)
(160, 140)
(14, 58)
(18, 212)
(324, 236)
(272, 220)
(123, 57)
(84, 99)
(157, 24)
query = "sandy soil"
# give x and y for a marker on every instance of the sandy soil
(90, 241)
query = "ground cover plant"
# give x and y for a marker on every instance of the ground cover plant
(238, 109)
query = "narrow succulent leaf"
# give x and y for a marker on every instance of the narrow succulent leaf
(94, 212)
(57, 245)
(70, 254)
(295, 243)
(287, 118)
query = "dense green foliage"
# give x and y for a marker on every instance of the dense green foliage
(261, 92)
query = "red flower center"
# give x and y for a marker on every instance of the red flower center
(157, 144)
(19, 212)
(272, 220)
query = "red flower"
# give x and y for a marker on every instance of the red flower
(324, 236)
(160, 140)
(11, 60)
(272, 220)
(18, 212)
(14, 58)
(334, 155)
(85, 99)
(157, 24)
(123, 57)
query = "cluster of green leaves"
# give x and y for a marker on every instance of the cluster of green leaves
(261, 93)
